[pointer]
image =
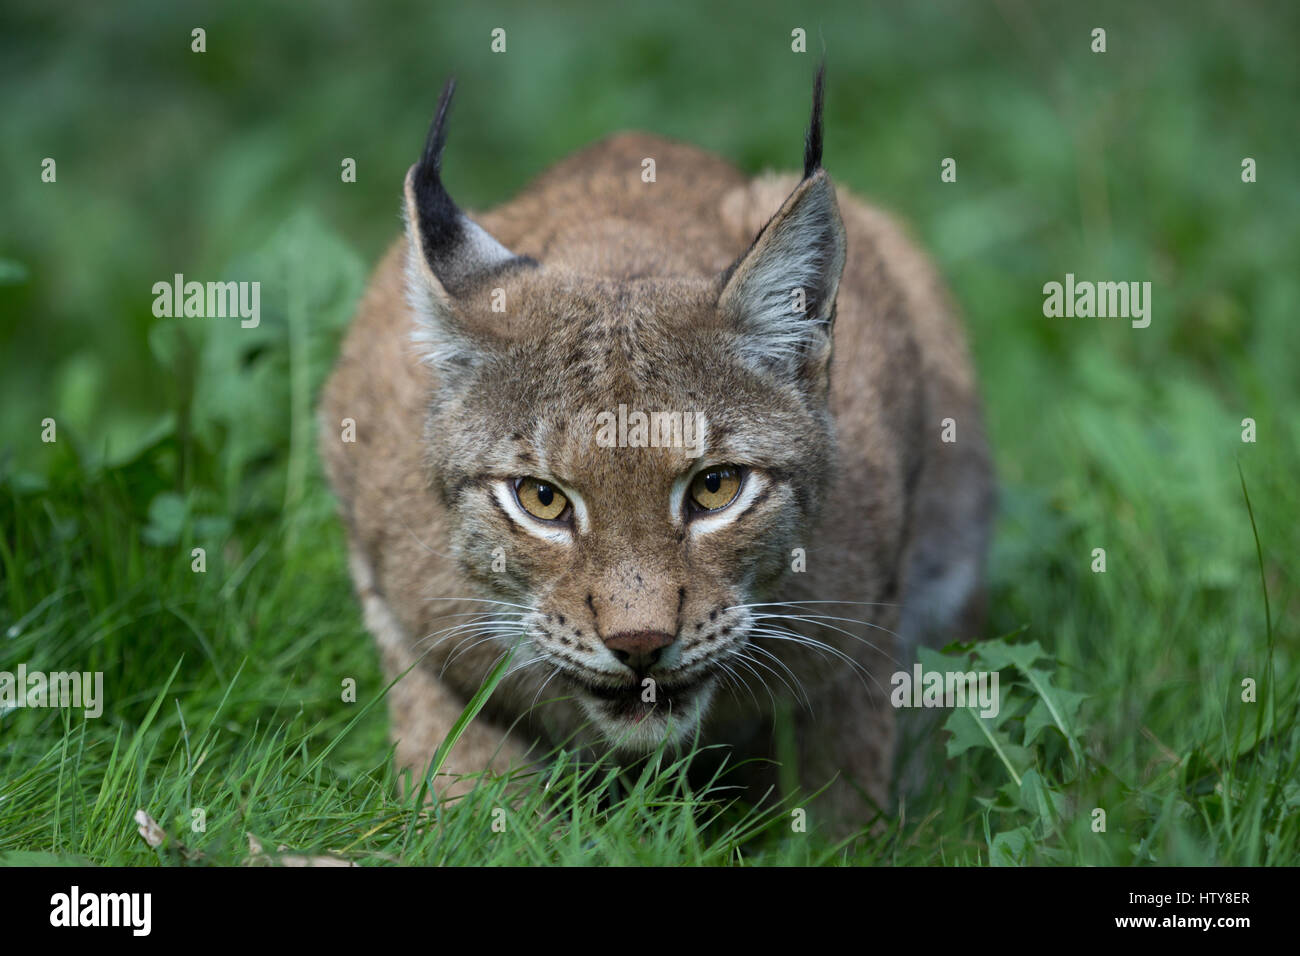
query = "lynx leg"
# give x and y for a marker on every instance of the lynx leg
(422, 710)
(943, 584)
(858, 754)
(943, 596)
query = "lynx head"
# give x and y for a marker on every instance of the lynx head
(628, 459)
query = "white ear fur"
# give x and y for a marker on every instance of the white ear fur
(443, 344)
(801, 248)
(440, 343)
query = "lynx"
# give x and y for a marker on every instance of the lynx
(658, 594)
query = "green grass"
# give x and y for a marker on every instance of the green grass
(225, 687)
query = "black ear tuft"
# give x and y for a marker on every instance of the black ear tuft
(812, 144)
(451, 253)
(437, 137)
(441, 228)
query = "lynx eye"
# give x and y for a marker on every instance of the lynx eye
(715, 488)
(541, 499)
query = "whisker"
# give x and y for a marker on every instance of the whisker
(754, 662)
(464, 648)
(730, 681)
(466, 630)
(484, 614)
(494, 618)
(472, 600)
(735, 607)
(784, 635)
(740, 681)
(518, 667)
(827, 617)
(786, 667)
(748, 665)
(554, 672)
(816, 621)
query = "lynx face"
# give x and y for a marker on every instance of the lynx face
(629, 566)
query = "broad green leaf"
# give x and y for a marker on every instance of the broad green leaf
(1011, 847)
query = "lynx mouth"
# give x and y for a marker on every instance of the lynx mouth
(628, 701)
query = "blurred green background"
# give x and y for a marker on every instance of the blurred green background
(226, 165)
(1120, 165)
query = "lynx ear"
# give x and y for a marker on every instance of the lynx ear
(780, 295)
(449, 253)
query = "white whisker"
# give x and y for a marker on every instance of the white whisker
(816, 621)
(802, 691)
(780, 634)
(748, 664)
(471, 600)
(554, 672)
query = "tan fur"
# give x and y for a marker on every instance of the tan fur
(624, 307)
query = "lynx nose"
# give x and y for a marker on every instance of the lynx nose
(638, 650)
